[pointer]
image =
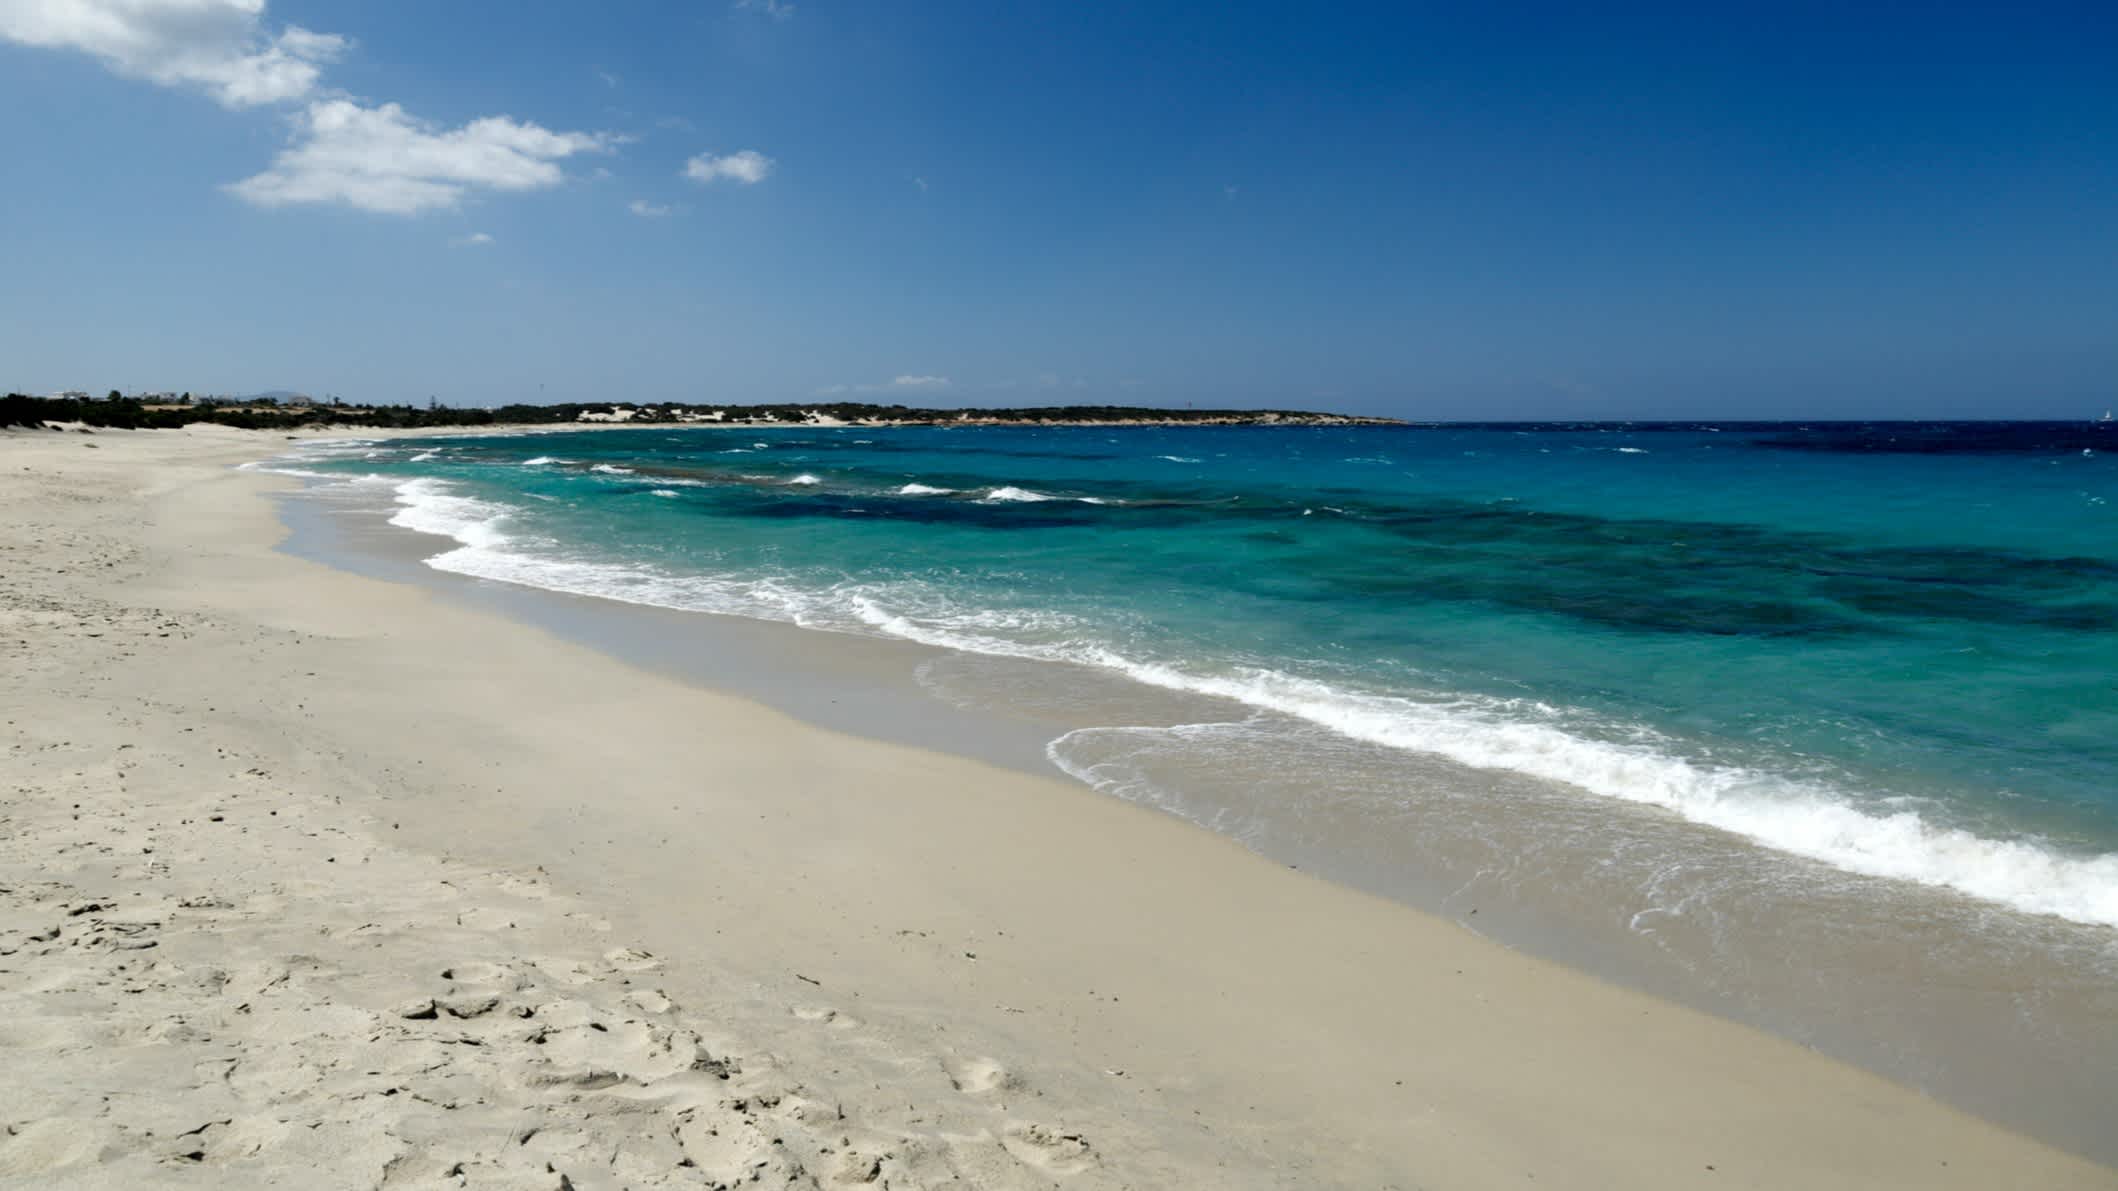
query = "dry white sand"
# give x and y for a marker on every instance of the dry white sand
(309, 880)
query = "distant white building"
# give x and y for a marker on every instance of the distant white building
(618, 414)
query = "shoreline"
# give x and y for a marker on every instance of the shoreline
(2001, 1013)
(1296, 1031)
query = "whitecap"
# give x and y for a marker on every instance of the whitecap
(429, 506)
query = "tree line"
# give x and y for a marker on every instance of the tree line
(132, 413)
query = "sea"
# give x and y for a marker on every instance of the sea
(1813, 725)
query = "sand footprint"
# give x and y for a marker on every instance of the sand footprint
(631, 959)
(649, 1001)
(728, 1148)
(484, 975)
(825, 1016)
(40, 1147)
(1049, 1149)
(980, 1076)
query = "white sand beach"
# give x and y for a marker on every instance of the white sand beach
(312, 880)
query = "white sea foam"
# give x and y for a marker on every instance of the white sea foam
(1805, 818)
(541, 460)
(284, 466)
(423, 456)
(1799, 817)
(923, 490)
(272, 467)
(609, 469)
(1011, 493)
(1631, 450)
(428, 506)
(1177, 458)
(805, 479)
(671, 492)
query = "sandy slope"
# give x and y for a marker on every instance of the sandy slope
(308, 880)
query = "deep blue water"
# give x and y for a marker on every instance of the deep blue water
(1887, 648)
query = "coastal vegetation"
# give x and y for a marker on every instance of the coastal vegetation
(143, 413)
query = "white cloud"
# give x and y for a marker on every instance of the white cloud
(921, 183)
(474, 240)
(896, 383)
(376, 158)
(748, 167)
(218, 46)
(778, 10)
(647, 210)
(381, 159)
(609, 79)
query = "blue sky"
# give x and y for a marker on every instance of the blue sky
(1432, 211)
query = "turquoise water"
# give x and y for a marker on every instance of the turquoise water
(1889, 650)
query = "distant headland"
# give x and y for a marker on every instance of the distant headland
(279, 411)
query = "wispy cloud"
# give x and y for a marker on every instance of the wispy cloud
(474, 240)
(609, 79)
(895, 384)
(647, 210)
(375, 157)
(382, 159)
(747, 166)
(218, 46)
(921, 183)
(778, 10)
